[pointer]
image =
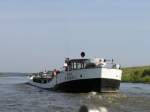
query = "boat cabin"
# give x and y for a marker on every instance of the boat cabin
(75, 64)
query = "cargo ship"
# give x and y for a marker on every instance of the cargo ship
(81, 75)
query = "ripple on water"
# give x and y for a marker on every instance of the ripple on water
(20, 97)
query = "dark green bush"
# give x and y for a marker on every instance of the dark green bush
(146, 73)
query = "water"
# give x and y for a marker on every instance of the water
(16, 96)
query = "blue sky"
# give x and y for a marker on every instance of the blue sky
(40, 33)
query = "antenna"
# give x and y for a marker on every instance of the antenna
(112, 60)
(67, 47)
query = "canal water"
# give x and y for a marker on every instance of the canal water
(17, 96)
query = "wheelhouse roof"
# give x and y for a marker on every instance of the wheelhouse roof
(78, 60)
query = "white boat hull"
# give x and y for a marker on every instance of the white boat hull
(84, 80)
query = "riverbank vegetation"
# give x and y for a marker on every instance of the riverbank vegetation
(1, 74)
(136, 74)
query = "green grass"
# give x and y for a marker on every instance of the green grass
(136, 74)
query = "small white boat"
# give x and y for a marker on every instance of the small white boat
(82, 75)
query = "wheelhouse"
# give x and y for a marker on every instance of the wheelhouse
(75, 64)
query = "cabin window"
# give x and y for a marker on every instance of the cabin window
(79, 66)
(76, 64)
(90, 65)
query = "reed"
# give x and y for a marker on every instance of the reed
(136, 74)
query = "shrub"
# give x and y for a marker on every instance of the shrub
(146, 79)
(126, 78)
(146, 73)
(136, 74)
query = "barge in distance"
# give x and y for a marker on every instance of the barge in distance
(81, 75)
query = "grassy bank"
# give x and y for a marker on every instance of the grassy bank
(136, 74)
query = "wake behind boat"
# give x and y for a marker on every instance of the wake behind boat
(81, 75)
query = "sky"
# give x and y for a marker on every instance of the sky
(39, 34)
